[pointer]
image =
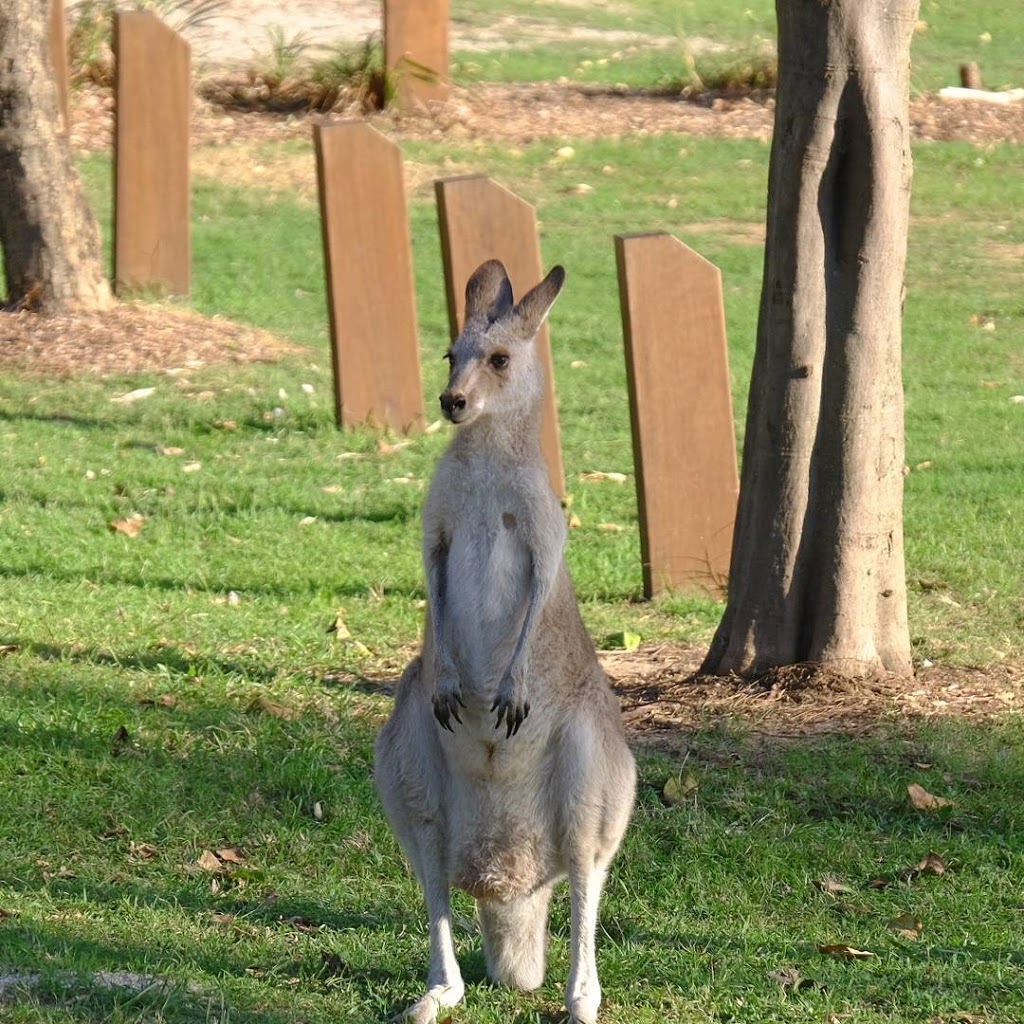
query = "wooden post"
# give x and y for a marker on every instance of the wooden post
(684, 442)
(153, 90)
(416, 50)
(480, 220)
(370, 290)
(59, 55)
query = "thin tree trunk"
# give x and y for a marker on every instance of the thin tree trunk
(50, 239)
(817, 570)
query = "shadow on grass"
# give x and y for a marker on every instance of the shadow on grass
(98, 574)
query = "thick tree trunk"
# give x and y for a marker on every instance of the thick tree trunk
(50, 239)
(817, 571)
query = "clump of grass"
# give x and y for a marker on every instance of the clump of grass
(287, 79)
(90, 42)
(753, 71)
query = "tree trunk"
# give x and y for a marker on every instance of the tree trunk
(50, 239)
(817, 572)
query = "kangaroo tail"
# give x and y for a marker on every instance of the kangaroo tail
(516, 938)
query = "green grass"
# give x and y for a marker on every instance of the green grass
(991, 33)
(119, 773)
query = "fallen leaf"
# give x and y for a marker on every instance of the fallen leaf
(610, 527)
(828, 884)
(191, 467)
(933, 864)
(338, 626)
(679, 787)
(386, 448)
(307, 520)
(347, 456)
(166, 449)
(575, 522)
(596, 476)
(218, 918)
(262, 703)
(208, 861)
(9, 649)
(623, 641)
(318, 811)
(133, 396)
(432, 428)
(231, 855)
(843, 952)
(225, 424)
(906, 926)
(577, 364)
(332, 489)
(922, 800)
(130, 527)
(789, 978)
(144, 851)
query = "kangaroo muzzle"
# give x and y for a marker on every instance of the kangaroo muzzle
(453, 405)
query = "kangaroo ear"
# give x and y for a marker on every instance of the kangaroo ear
(488, 292)
(534, 306)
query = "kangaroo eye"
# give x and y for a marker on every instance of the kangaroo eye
(499, 360)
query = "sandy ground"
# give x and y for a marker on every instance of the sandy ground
(245, 27)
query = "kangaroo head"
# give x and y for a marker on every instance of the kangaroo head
(495, 370)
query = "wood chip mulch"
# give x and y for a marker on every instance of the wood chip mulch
(129, 339)
(664, 700)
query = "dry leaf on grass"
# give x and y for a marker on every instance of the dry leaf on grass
(209, 861)
(338, 627)
(679, 787)
(231, 855)
(922, 800)
(143, 851)
(829, 884)
(270, 707)
(906, 926)
(596, 476)
(9, 649)
(130, 527)
(133, 396)
(844, 952)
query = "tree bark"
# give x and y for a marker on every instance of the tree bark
(50, 239)
(817, 570)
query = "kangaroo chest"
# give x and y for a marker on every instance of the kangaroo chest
(487, 584)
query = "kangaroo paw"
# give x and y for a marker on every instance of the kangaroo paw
(447, 701)
(512, 708)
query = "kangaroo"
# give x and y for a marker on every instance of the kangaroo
(504, 766)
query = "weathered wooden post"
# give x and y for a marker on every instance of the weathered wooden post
(370, 290)
(480, 220)
(153, 98)
(684, 441)
(416, 50)
(59, 55)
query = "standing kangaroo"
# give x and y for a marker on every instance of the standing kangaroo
(504, 766)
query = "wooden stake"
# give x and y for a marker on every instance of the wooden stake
(152, 241)
(684, 441)
(370, 289)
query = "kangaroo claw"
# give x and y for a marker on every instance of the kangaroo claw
(446, 708)
(512, 712)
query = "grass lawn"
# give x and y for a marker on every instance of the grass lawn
(185, 749)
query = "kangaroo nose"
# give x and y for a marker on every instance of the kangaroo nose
(452, 403)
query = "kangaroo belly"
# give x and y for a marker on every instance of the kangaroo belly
(502, 858)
